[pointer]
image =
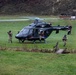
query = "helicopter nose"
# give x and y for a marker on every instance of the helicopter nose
(18, 36)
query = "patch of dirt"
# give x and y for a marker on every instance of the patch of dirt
(34, 50)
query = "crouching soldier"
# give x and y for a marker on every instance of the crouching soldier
(64, 39)
(10, 36)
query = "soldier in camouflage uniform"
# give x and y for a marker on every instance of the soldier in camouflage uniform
(10, 36)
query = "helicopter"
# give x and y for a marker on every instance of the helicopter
(31, 32)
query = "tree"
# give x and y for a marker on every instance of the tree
(43, 7)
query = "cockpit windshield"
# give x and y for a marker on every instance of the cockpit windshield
(25, 31)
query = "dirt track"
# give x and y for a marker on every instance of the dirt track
(34, 50)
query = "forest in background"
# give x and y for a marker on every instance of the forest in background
(38, 7)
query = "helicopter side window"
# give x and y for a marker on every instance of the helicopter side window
(30, 31)
(35, 32)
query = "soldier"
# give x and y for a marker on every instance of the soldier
(69, 30)
(10, 36)
(56, 47)
(64, 39)
(41, 35)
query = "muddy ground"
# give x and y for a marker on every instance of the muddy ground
(66, 51)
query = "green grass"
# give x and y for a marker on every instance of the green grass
(27, 63)
(51, 40)
(35, 63)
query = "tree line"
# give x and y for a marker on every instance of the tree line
(42, 7)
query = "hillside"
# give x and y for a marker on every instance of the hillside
(40, 7)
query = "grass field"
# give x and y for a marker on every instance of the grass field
(27, 63)
(16, 26)
(36, 63)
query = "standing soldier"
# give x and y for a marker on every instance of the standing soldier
(69, 30)
(10, 36)
(41, 35)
